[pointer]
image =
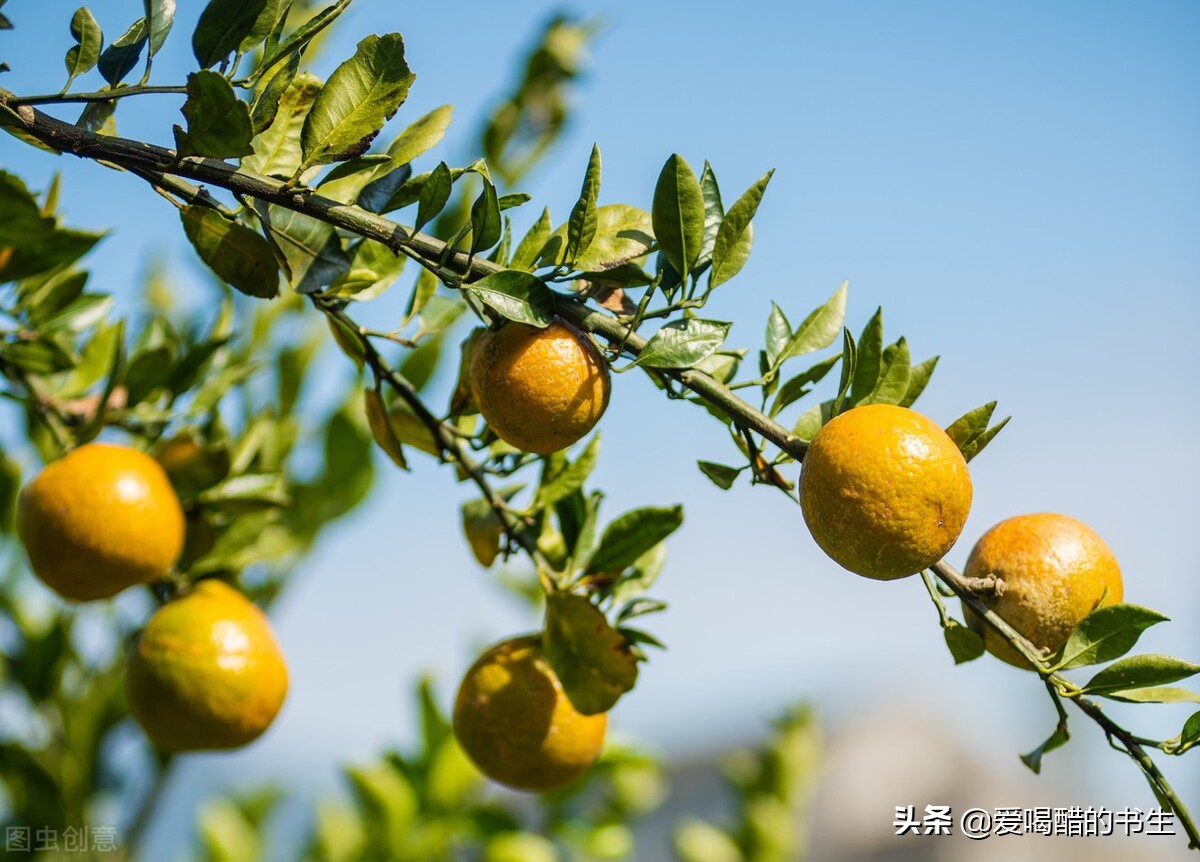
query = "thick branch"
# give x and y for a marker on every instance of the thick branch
(147, 159)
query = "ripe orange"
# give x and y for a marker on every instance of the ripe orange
(98, 520)
(514, 721)
(206, 672)
(540, 390)
(1055, 571)
(884, 491)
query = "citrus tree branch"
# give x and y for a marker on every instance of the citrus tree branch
(163, 169)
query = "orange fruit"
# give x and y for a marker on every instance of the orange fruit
(98, 520)
(540, 390)
(884, 491)
(206, 672)
(517, 725)
(1055, 571)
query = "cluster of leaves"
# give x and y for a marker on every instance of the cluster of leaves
(220, 414)
(772, 786)
(433, 804)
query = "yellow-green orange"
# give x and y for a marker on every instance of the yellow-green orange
(1054, 571)
(98, 520)
(206, 672)
(540, 390)
(514, 721)
(885, 492)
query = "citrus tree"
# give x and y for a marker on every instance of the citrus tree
(174, 449)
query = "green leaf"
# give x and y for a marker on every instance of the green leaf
(387, 797)
(797, 387)
(918, 379)
(161, 15)
(779, 333)
(678, 214)
(421, 136)
(1139, 671)
(88, 41)
(721, 476)
(119, 58)
(736, 234)
(641, 575)
(970, 432)
(10, 485)
(373, 268)
(516, 295)
(359, 97)
(532, 243)
(238, 255)
(483, 530)
(683, 343)
(41, 356)
(570, 478)
(594, 662)
(633, 534)
(581, 226)
(1034, 758)
(849, 363)
(1154, 694)
(277, 148)
(714, 211)
(433, 196)
(485, 219)
(894, 374)
(381, 427)
(820, 328)
(623, 233)
(869, 359)
(218, 122)
(1105, 634)
(249, 492)
(267, 99)
(965, 644)
(229, 26)
(313, 251)
(303, 34)
(21, 219)
(1191, 730)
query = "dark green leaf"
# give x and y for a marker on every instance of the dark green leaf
(268, 97)
(161, 15)
(312, 248)
(1034, 758)
(581, 226)
(359, 97)
(238, 255)
(518, 296)
(119, 58)
(1191, 730)
(918, 379)
(714, 211)
(736, 234)
(303, 34)
(218, 122)
(1139, 671)
(721, 476)
(88, 41)
(797, 387)
(435, 191)
(485, 219)
(970, 432)
(10, 484)
(820, 328)
(594, 663)
(849, 362)
(894, 373)
(631, 535)
(57, 248)
(381, 427)
(42, 356)
(683, 343)
(678, 214)
(965, 645)
(868, 359)
(1105, 634)
(229, 26)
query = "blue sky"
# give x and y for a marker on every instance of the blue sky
(1017, 184)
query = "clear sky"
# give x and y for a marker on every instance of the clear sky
(1017, 184)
